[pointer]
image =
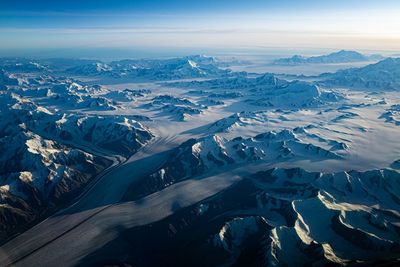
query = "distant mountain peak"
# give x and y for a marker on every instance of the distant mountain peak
(341, 56)
(384, 74)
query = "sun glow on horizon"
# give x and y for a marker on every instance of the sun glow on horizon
(365, 29)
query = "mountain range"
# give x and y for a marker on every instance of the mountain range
(342, 56)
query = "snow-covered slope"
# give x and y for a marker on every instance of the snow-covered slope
(342, 56)
(265, 90)
(72, 94)
(339, 212)
(7, 79)
(379, 76)
(392, 114)
(204, 201)
(234, 235)
(36, 172)
(48, 157)
(199, 156)
(22, 65)
(176, 108)
(282, 217)
(91, 69)
(118, 134)
(263, 82)
(295, 94)
(153, 69)
(61, 92)
(179, 112)
(246, 119)
(115, 133)
(169, 99)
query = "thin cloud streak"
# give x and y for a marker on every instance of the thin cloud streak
(373, 29)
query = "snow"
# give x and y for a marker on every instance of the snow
(325, 145)
(342, 56)
(233, 233)
(384, 75)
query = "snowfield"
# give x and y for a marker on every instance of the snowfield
(186, 162)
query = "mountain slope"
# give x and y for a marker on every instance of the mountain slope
(212, 153)
(153, 69)
(276, 217)
(48, 157)
(384, 75)
(342, 56)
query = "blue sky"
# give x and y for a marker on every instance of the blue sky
(153, 24)
(185, 5)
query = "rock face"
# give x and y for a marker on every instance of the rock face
(233, 235)
(384, 75)
(279, 217)
(46, 161)
(37, 173)
(335, 217)
(50, 154)
(198, 156)
(120, 135)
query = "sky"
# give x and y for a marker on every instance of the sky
(156, 25)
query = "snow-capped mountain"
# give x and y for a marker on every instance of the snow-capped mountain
(179, 112)
(38, 173)
(222, 168)
(353, 227)
(119, 134)
(197, 156)
(7, 79)
(392, 114)
(380, 76)
(266, 91)
(342, 56)
(123, 96)
(68, 93)
(51, 156)
(167, 69)
(263, 82)
(246, 119)
(91, 69)
(22, 65)
(169, 99)
(176, 108)
(283, 217)
(235, 235)
(179, 68)
(346, 228)
(295, 94)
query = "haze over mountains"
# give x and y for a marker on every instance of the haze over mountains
(187, 162)
(342, 56)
